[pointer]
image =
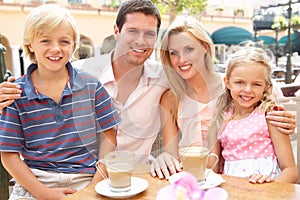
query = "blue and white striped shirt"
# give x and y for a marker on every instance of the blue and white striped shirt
(61, 137)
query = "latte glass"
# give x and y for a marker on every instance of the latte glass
(119, 166)
(194, 160)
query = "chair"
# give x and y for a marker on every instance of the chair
(293, 104)
(4, 182)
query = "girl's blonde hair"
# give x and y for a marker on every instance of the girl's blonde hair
(247, 54)
(193, 27)
(44, 18)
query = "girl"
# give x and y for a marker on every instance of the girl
(252, 147)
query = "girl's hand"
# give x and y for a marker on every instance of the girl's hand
(259, 178)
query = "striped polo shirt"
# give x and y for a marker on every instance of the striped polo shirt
(61, 137)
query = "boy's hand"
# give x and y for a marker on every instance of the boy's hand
(55, 193)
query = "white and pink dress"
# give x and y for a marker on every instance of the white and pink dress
(247, 147)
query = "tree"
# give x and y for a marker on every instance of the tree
(175, 7)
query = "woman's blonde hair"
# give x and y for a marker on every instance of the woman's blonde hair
(44, 18)
(247, 54)
(193, 27)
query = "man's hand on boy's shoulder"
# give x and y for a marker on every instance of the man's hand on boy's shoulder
(9, 92)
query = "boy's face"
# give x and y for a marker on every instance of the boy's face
(137, 38)
(54, 48)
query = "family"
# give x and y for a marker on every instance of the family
(58, 119)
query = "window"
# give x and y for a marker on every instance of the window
(78, 2)
(112, 3)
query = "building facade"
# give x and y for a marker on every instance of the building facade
(95, 19)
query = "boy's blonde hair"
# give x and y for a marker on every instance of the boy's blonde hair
(247, 54)
(44, 18)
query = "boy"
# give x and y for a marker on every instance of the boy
(62, 112)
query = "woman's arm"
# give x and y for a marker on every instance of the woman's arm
(167, 163)
(215, 147)
(170, 130)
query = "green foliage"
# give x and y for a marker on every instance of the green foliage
(178, 6)
(280, 22)
(239, 10)
(219, 9)
(295, 20)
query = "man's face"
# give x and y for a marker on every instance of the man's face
(136, 40)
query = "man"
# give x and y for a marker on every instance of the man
(134, 81)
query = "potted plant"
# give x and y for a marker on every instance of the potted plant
(218, 11)
(280, 23)
(295, 22)
(239, 12)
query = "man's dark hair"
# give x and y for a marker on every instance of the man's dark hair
(131, 6)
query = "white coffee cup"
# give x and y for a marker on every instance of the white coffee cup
(194, 160)
(119, 166)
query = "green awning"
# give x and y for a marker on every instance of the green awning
(267, 39)
(284, 39)
(231, 35)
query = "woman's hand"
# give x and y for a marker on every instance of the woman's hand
(164, 166)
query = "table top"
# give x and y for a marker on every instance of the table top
(237, 188)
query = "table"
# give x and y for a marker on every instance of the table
(237, 188)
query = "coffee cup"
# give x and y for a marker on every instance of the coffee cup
(194, 160)
(119, 166)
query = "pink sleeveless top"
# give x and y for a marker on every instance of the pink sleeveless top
(246, 138)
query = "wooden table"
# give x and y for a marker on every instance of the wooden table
(238, 188)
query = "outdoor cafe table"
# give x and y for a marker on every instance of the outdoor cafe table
(237, 188)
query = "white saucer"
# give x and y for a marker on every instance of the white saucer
(212, 180)
(137, 185)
